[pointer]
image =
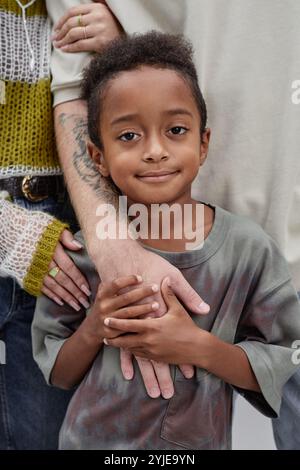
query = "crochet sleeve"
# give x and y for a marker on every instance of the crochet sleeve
(27, 243)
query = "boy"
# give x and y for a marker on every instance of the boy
(147, 124)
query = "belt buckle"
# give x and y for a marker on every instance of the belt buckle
(27, 191)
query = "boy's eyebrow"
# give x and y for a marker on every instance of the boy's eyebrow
(131, 117)
(124, 118)
(179, 111)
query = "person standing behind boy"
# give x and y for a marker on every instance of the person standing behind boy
(147, 124)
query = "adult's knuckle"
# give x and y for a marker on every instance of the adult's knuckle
(116, 284)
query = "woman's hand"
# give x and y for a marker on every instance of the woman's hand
(65, 283)
(86, 28)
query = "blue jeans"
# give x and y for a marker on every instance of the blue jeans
(286, 428)
(31, 412)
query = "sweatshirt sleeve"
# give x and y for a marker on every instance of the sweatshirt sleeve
(27, 243)
(66, 68)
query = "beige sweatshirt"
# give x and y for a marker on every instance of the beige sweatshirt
(247, 56)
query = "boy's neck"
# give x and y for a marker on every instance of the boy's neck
(187, 230)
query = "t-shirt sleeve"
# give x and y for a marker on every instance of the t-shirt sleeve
(268, 331)
(53, 324)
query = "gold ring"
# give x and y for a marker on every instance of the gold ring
(79, 22)
(54, 271)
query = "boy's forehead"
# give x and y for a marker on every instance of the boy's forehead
(147, 86)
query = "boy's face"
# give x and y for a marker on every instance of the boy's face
(150, 130)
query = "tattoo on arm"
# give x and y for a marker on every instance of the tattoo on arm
(84, 165)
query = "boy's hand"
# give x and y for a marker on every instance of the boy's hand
(111, 302)
(169, 339)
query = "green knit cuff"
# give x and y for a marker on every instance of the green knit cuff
(42, 257)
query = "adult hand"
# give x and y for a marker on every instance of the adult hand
(68, 285)
(131, 258)
(86, 28)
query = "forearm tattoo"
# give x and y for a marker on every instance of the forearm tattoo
(84, 165)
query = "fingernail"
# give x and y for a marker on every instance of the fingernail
(105, 341)
(128, 375)
(58, 301)
(189, 374)
(85, 290)
(168, 282)
(167, 394)
(76, 243)
(139, 278)
(54, 36)
(154, 392)
(75, 305)
(155, 306)
(204, 308)
(84, 302)
(155, 288)
(106, 321)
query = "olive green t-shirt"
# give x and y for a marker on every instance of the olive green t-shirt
(240, 273)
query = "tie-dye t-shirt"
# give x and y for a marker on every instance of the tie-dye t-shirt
(243, 277)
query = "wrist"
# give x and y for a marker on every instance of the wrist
(108, 250)
(206, 347)
(89, 335)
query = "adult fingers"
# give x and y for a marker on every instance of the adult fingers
(189, 297)
(83, 45)
(68, 241)
(187, 370)
(51, 295)
(164, 379)
(70, 13)
(149, 377)
(49, 284)
(74, 281)
(126, 359)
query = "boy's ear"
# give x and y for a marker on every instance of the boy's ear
(204, 145)
(98, 158)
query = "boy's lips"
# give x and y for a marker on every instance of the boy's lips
(157, 176)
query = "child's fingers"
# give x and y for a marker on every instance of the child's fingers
(127, 326)
(112, 288)
(135, 310)
(133, 296)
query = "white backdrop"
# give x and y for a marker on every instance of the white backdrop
(251, 430)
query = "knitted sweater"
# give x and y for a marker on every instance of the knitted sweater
(27, 143)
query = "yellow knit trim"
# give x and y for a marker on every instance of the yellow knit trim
(38, 8)
(42, 257)
(28, 126)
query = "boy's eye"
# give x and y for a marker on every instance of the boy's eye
(128, 136)
(178, 130)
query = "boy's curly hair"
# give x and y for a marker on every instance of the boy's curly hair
(130, 52)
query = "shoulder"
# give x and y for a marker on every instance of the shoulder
(250, 242)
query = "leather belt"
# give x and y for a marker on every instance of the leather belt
(33, 188)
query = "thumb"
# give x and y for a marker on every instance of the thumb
(167, 293)
(188, 296)
(67, 240)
